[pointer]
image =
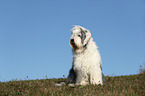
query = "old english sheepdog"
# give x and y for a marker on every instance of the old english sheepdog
(86, 66)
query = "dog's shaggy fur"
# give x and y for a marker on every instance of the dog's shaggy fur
(86, 66)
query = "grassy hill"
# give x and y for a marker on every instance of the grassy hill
(133, 85)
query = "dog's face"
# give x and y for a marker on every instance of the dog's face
(79, 38)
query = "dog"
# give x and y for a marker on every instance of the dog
(86, 65)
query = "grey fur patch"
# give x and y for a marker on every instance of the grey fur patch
(103, 76)
(101, 66)
(83, 35)
(72, 76)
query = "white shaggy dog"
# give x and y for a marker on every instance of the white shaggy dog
(86, 66)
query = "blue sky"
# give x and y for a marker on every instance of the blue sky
(34, 36)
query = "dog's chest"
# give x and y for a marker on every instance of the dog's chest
(81, 62)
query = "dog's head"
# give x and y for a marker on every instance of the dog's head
(80, 37)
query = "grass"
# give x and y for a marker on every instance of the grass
(133, 85)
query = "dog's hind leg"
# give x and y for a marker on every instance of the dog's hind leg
(71, 77)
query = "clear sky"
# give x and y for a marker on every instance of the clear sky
(34, 36)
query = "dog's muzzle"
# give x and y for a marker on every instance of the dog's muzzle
(72, 41)
(73, 45)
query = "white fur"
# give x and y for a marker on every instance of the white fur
(86, 61)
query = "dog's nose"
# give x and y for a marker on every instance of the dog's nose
(72, 41)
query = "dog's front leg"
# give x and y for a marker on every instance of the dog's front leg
(81, 79)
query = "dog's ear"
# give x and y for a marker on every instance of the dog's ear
(88, 36)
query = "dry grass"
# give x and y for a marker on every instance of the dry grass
(133, 85)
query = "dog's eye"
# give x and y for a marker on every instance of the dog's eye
(79, 35)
